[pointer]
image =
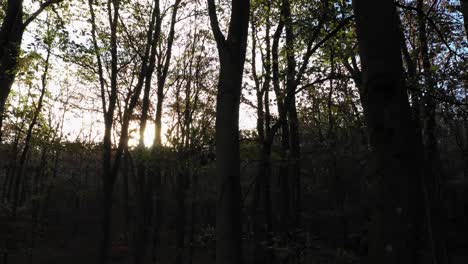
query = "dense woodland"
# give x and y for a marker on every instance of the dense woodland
(234, 131)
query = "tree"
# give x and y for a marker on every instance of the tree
(164, 60)
(110, 91)
(11, 36)
(231, 52)
(49, 39)
(393, 134)
(261, 207)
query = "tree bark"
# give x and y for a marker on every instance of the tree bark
(232, 57)
(393, 134)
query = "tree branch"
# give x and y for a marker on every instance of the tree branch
(318, 45)
(41, 8)
(218, 35)
(433, 24)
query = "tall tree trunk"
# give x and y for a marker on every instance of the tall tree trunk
(228, 220)
(393, 134)
(283, 170)
(143, 182)
(11, 35)
(261, 207)
(293, 122)
(109, 174)
(232, 57)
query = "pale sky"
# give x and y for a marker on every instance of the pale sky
(83, 119)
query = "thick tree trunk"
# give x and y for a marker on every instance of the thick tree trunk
(228, 220)
(232, 57)
(393, 135)
(11, 35)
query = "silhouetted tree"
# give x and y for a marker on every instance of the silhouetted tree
(231, 51)
(393, 134)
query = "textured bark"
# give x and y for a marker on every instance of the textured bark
(232, 57)
(393, 134)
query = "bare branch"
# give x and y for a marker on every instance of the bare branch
(218, 35)
(41, 8)
(312, 50)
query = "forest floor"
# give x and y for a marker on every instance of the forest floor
(71, 238)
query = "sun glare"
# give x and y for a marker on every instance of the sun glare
(148, 137)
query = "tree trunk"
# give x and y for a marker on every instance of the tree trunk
(283, 169)
(126, 196)
(293, 122)
(394, 137)
(11, 35)
(232, 57)
(261, 207)
(228, 220)
(106, 223)
(181, 217)
(162, 70)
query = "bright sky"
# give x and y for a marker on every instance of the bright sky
(83, 119)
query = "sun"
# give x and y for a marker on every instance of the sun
(149, 135)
